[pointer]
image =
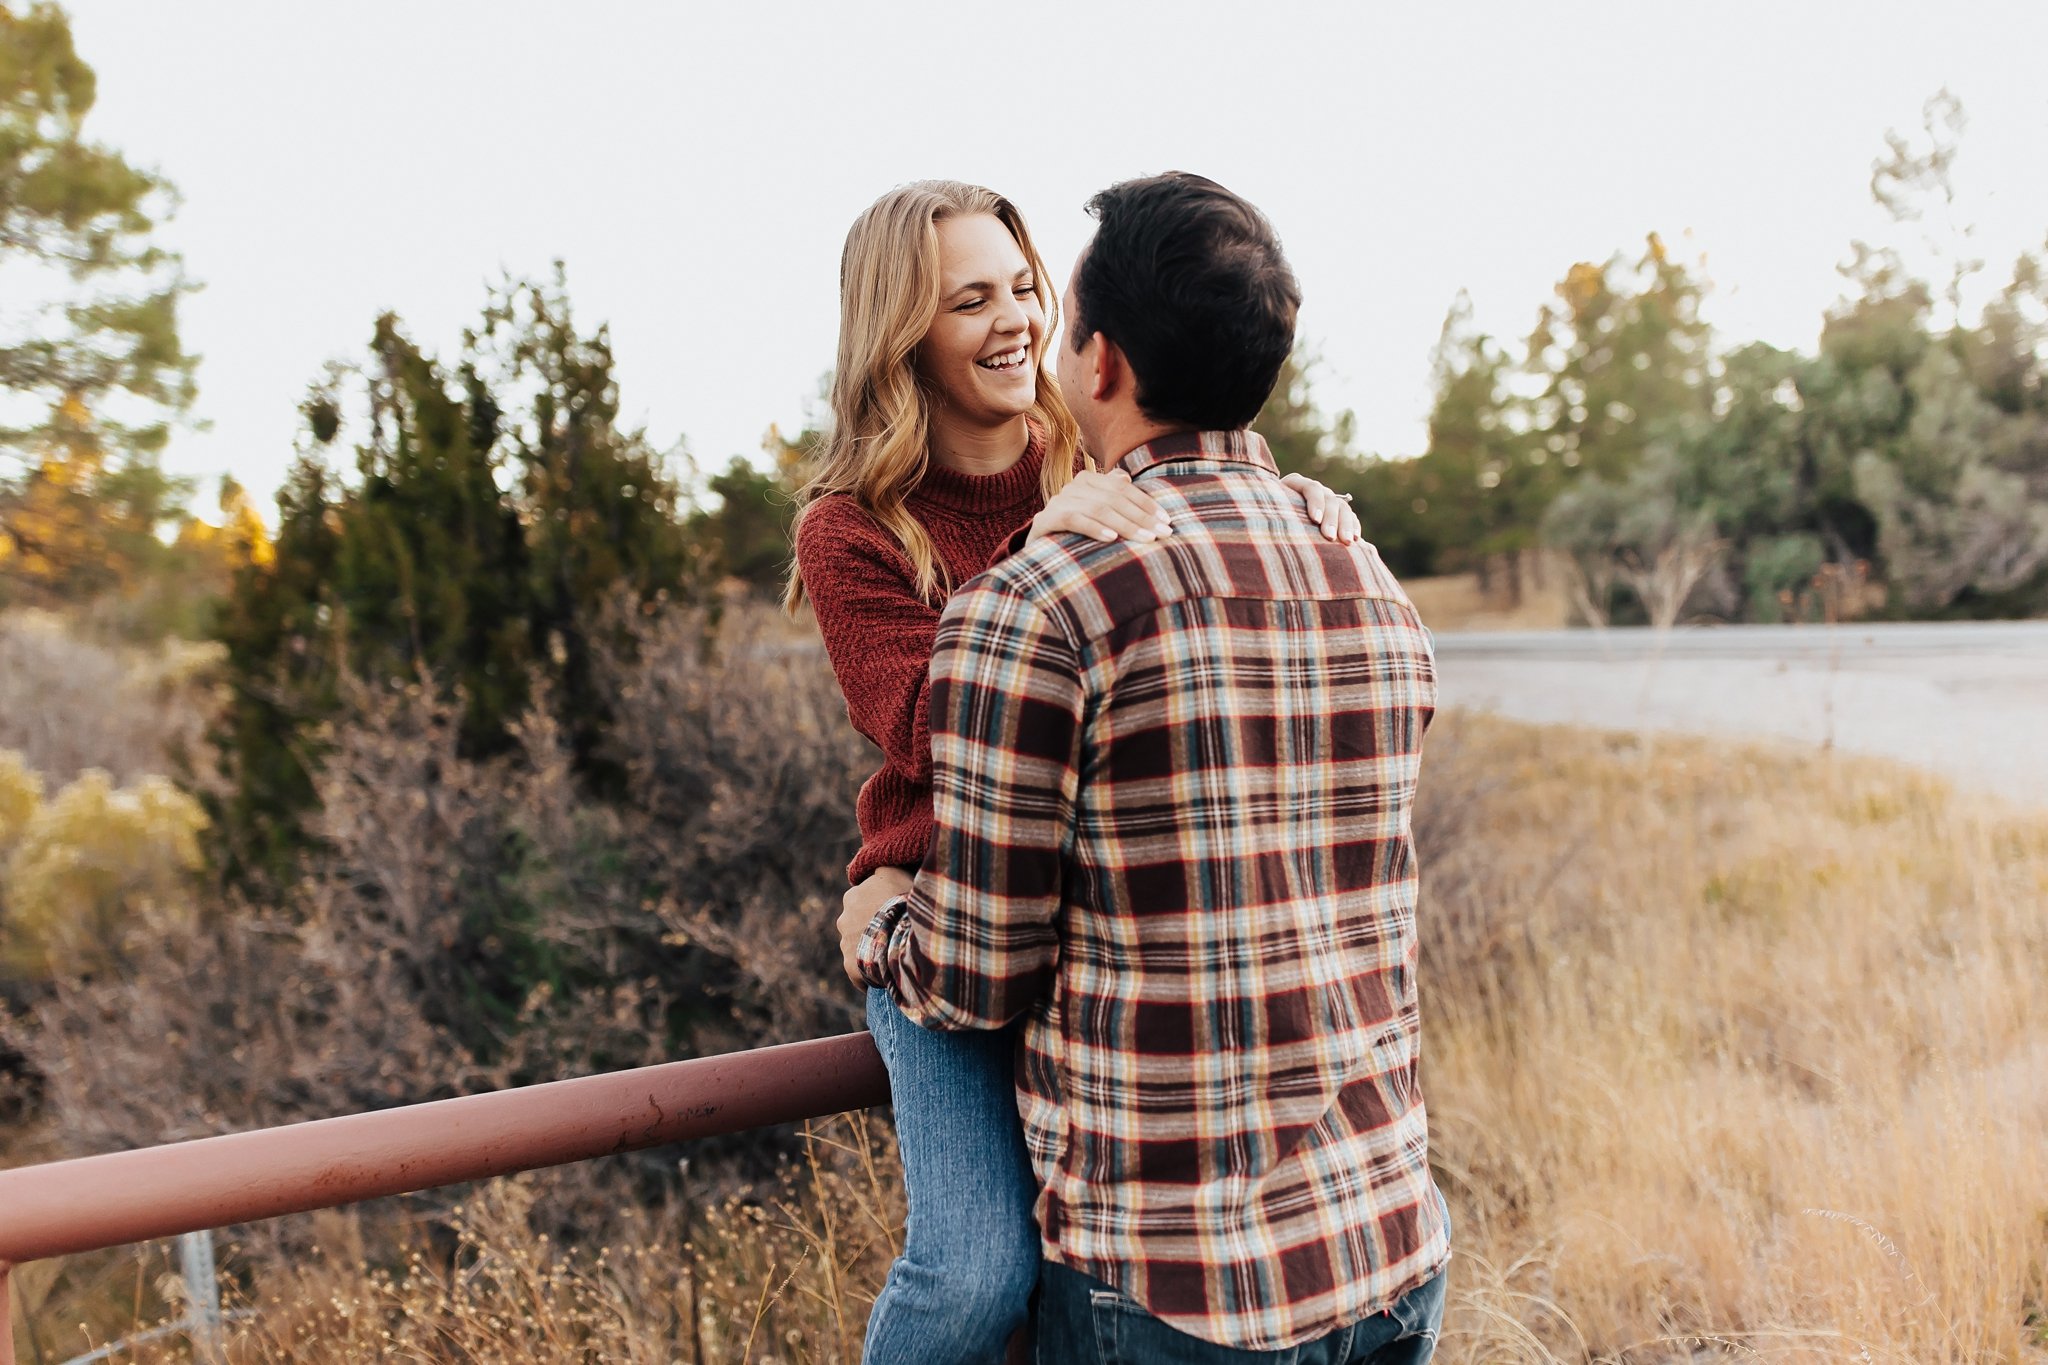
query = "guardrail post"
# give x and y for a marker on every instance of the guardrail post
(202, 1293)
(6, 1316)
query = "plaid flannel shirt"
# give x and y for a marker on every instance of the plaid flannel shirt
(1171, 788)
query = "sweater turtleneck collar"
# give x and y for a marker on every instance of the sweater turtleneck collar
(980, 495)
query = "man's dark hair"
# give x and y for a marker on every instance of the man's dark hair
(1189, 280)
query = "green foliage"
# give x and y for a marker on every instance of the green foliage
(89, 346)
(75, 526)
(114, 543)
(75, 223)
(477, 545)
(594, 507)
(1506, 437)
(1301, 436)
(1618, 359)
(279, 630)
(743, 537)
(1623, 357)
(1306, 440)
(1902, 468)
(1486, 472)
(1960, 495)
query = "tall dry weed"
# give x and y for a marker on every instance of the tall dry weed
(742, 773)
(69, 702)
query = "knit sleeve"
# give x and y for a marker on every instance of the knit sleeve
(878, 632)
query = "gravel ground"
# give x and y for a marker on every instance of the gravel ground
(1968, 701)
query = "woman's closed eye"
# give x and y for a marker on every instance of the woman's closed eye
(1022, 291)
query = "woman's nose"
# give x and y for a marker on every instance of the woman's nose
(1012, 317)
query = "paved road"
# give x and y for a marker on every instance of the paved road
(1967, 700)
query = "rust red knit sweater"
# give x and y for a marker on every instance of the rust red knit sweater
(879, 633)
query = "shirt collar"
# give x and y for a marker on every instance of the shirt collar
(1243, 446)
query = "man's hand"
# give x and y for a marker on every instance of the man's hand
(861, 902)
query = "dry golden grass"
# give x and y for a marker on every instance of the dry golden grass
(1732, 1055)
(1455, 602)
(786, 1276)
(1736, 1055)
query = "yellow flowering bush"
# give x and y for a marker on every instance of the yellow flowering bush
(78, 869)
(21, 796)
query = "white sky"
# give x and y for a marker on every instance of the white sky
(697, 165)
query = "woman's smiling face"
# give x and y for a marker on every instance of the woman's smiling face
(980, 354)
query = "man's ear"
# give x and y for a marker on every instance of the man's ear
(1108, 369)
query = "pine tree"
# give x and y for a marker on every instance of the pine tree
(597, 512)
(473, 549)
(89, 346)
(284, 663)
(1491, 477)
(1623, 355)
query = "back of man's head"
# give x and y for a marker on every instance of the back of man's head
(1189, 281)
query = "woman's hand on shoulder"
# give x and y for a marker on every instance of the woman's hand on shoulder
(1327, 508)
(1103, 506)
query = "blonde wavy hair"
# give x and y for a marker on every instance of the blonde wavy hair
(879, 446)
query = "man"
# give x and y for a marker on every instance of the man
(1171, 789)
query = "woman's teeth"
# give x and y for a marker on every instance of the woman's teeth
(1008, 360)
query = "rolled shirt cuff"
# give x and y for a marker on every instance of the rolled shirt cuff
(874, 941)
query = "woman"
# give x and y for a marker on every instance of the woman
(950, 447)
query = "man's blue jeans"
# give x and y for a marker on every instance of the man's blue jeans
(1082, 1321)
(970, 1248)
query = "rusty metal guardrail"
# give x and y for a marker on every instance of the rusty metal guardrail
(95, 1202)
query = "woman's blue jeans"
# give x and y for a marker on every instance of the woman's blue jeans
(970, 1248)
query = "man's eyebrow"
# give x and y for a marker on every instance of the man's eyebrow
(984, 286)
